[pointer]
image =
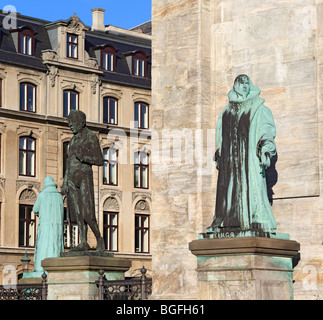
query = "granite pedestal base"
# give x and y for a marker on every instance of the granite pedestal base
(73, 278)
(250, 268)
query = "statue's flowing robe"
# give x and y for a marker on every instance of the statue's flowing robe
(50, 237)
(245, 130)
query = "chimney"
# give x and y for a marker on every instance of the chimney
(98, 19)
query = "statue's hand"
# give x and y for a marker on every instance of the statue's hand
(265, 160)
(64, 190)
(216, 158)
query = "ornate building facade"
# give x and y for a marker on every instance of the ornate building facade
(46, 70)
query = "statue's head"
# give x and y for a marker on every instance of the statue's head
(76, 120)
(49, 182)
(242, 85)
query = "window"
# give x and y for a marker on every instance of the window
(141, 115)
(70, 101)
(26, 41)
(110, 230)
(110, 166)
(27, 226)
(141, 169)
(27, 97)
(141, 233)
(65, 156)
(27, 155)
(72, 46)
(108, 58)
(110, 110)
(71, 232)
(139, 64)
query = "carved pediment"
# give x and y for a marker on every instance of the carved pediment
(142, 205)
(111, 204)
(75, 25)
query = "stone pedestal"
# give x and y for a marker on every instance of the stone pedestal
(250, 268)
(73, 278)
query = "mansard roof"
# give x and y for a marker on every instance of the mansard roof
(123, 42)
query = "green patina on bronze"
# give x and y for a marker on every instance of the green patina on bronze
(245, 136)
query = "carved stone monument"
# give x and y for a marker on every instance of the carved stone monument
(241, 256)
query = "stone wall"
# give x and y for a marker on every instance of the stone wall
(199, 47)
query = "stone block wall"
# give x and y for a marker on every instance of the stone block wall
(199, 47)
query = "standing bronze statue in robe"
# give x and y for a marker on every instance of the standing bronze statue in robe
(84, 151)
(245, 139)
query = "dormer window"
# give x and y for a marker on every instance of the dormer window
(139, 65)
(108, 58)
(26, 43)
(72, 46)
(24, 40)
(137, 61)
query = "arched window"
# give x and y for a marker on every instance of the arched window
(110, 110)
(27, 219)
(111, 224)
(70, 101)
(139, 64)
(108, 58)
(26, 42)
(142, 227)
(141, 113)
(27, 97)
(27, 156)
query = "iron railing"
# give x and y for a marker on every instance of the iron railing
(130, 289)
(35, 291)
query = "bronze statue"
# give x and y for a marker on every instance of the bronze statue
(84, 151)
(245, 138)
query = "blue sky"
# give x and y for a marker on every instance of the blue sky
(120, 13)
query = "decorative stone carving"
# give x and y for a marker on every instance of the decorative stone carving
(75, 24)
(3, 183)
(142, 205)
(111, 204)
(29, 185)
(27, 196)
(53, 72)
(94, 80)
(141, 195)
(49, 55)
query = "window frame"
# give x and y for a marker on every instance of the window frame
(141, 166)
(141, 57)
(141, 228)
(25, 106)
(109, 226)
(141, 120)
(23, 35)
(26, 227)
(109, 51)
(68, 232)
(109, 98)
(27, 151)
(70, 92)
(109, 164)
(70, 44)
